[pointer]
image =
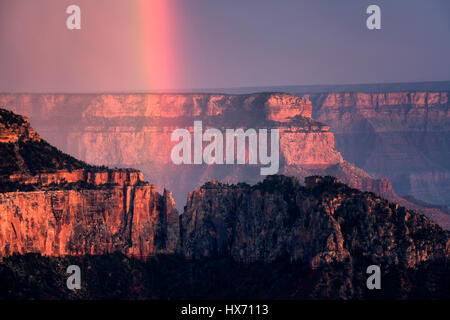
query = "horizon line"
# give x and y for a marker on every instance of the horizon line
(218, 90)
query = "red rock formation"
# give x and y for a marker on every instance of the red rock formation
(69, 222)
(92, 211)
(94, 177)
(89, 210)
(283, 107)
(133, 130)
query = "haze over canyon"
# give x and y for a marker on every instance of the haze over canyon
(402, 136)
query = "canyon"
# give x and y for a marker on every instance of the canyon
(55, 209)
(134, 130)
(403, 136)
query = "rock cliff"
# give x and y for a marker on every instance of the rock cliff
(53, 204)
(403, 136)
(134, 130)
(321, 222)
(281, 237)
(70, 208)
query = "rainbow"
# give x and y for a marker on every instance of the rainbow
(155, 42)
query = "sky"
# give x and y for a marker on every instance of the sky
(169, 45)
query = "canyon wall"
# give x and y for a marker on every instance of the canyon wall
(90, 210)
(135, 220)
(66, 207)
(274, 233)
(403, 136)
(134, 130)
(321, 223)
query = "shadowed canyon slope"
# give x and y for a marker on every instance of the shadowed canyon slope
(321, 222)
(134, 130)
(404, 136)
